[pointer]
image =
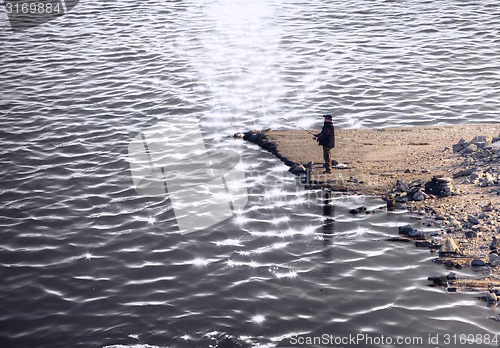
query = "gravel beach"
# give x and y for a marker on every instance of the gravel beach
(449, 174)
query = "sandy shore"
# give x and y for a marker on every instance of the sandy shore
(374, 159)
(378, 157)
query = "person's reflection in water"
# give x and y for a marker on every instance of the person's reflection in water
(329, 221)
(328, 229)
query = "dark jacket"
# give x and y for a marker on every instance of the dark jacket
(327, 136)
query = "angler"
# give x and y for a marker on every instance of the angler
(326, 138)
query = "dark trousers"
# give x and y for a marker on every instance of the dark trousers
(327, 155)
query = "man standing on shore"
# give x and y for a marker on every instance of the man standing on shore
(326, 138)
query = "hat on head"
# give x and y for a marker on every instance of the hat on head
(327, 116)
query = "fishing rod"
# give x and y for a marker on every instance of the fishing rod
(290, 122)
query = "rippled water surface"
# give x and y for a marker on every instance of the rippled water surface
(87, 262)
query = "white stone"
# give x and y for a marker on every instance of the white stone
(449, 246)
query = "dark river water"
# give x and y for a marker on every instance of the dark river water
(87, 260)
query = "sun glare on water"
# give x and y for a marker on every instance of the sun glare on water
(200, 262)
(258, 319)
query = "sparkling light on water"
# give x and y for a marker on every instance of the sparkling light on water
(186, 337)
(241, 220)
(258, 319)
(229, 242)
(291, 274)
(239, 64)
(280, 219)
(200, 262)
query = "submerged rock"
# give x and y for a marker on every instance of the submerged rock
(439, 281)
(451, 276)
(405, 230)
(491, 297)
(297, 169)
(358, 210)
(423, 244)
(391, 204)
